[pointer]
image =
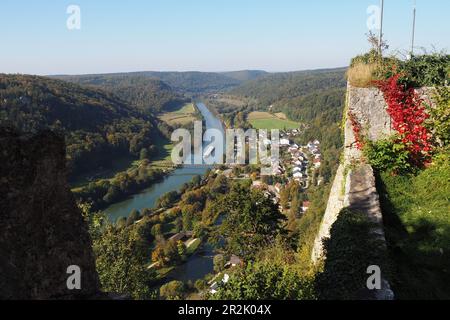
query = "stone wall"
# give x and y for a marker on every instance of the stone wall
(354, 184)
(42, 232)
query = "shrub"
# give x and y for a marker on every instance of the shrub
(426, 70)
(439, 122)
(173, 290)
(388, 155)
(266, 281)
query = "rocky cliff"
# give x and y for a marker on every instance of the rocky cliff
(42, 232)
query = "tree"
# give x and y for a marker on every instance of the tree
(252, 221)
(266, 281)
(182, 250)
(133, 217)
(171, 252)
(219, 263)
(158, 255)
(121, 255)
(144, 154)
(156, 230)
(173, 290)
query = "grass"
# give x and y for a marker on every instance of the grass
(184, 115)
(266, 120)
(416, 212)
(362, 75)
(193, 246)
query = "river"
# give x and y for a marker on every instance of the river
(148, 197)
(199, 264)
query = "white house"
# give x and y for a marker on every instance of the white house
(298, 175)
(297, 169)
(284, 142)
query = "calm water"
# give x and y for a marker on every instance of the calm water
(200, 264)
(173, 182)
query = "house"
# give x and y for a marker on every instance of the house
(316, 142)
(317, 163)
(305, 206)
(215, 286)
(284, 142)
(298, 175)
(297, 169)
(257, 185)
(278, 187)
(297, 163)
(181, 236)
(234, 262)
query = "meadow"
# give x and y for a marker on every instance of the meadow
(266, 120)
(184, 115)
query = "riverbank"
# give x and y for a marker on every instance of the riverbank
(173, 181)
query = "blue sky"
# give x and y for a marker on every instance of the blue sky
(204, 35)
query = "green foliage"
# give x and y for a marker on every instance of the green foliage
(388, 154)
(427, 70)
(121, 255)
(439, 121)
(105, 192)
(174, 290)
(219, 263)
(350, 250)
(98, 127)
(279, 86)
(144, 93)
(416, 213)
(252, 222)
(266, 281)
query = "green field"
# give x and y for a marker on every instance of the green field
(266, 120)
(183, 115)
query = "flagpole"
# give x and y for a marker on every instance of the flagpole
(414, 29)
(381, 28)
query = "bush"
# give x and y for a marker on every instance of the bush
(388, 155)
(266, 281)
(439, 122)
(173, 290)
(426, 70)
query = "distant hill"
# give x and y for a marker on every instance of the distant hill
(145, 93)
(161, 88)
(278, 86)
(245, 75)
(97, 125)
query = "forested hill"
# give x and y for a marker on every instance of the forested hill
(97, 125)
(245, 75)
(145, 93)
(278, 86)
(156, 89)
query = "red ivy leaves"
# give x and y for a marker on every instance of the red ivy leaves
(408, 115)
(356, 126)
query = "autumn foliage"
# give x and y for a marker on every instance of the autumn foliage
(408, 114)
